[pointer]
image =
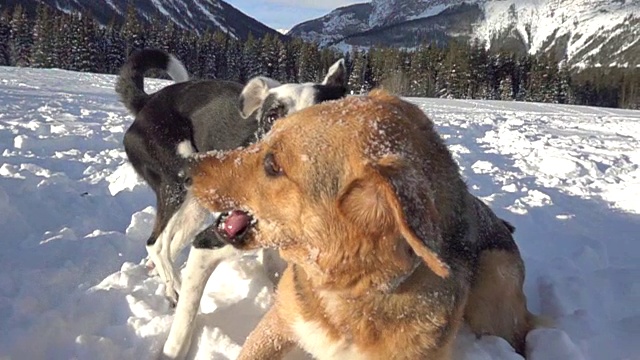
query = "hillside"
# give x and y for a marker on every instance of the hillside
(586, 32)
(193, 15)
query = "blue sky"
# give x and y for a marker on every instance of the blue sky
(284, 14)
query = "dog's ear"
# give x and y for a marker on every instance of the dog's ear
(254, 93)
(390, 195)
(336, 75)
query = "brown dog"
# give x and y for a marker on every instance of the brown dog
(388, 252)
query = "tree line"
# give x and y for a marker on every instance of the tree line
(460, 70)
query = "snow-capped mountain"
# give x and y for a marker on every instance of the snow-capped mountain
(586, 32)
(194, 15)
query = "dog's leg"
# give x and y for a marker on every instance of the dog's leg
(182, 228)
(497, 304)
(270, 340)
(200, 265)
(164, 268)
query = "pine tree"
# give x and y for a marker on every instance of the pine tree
(360, 77)
(206, 65)
(219, 45)
(42, 38)
(5, 37)
(154, 32)
(564, 94)
(167, 38)
(132, 31)
(235, 62)
(113, 49)
(506, 88)
(253, 65)
(479, 65)
(269, 54)
(283, 71)
(20, 37)
(308, 63)
(82, 43)
(356, 71)
(62, 51)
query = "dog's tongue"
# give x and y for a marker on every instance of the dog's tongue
(236, 222)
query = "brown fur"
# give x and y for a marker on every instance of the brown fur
(388, 252)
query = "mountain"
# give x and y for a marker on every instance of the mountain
(586, 32)
(193, 15)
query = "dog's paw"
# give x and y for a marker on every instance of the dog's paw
(172, 296)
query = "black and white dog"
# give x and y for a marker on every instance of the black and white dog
(197, 116)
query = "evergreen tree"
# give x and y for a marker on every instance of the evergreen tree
(132, 31)
(62, 51)
(219, 45)
(253, 65)
(356, 72)
(83, 44)
(154, 32)
(360, 78)
(167, 38)
(113, 49)
(20, 37)
(206, 64)
(5, 37)
(479, 65)
(564, 94)
(42, 38)
(284, 69)
(506, 89)
(523, 72)
(308, 63)
(269, 54)
(455, 72)
(235, 62)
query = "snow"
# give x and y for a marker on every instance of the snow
(583, 21)
(213, 17)
(74, 218)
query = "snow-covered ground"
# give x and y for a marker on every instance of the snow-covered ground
(74, 217)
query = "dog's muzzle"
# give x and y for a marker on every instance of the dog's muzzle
(233, 226)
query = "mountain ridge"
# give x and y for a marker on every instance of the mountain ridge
(586, 32)
(192, 15)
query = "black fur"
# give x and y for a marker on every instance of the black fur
(204, 112)
(329, 92)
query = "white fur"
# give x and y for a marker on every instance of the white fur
(295, 96)
(185, 148)
(314, 339)
(190, 219)
(184, 225)
(176, 70)
(338, 65)
(200, 265)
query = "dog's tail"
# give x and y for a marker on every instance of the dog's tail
(130, 84)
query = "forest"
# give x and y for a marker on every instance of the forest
(459, 70)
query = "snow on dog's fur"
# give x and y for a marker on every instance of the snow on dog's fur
(388, 252)
(194, 116)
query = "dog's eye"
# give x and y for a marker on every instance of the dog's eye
(274, 114)
(271, 167)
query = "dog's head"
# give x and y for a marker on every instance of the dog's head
(351, 190)
(268, 100)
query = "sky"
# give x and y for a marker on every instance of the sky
(284, 14)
